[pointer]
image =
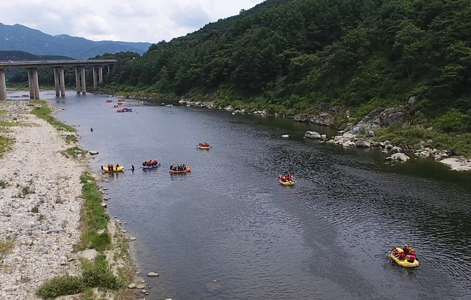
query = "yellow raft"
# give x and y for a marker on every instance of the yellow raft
(286, 182)
(404, 263)
(118, 169)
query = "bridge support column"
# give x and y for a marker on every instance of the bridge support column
(77, 80)
(56, 81)
(84, 85)
(3, 86)
(94, 78)
(30, 84)
(35, 83)
(62, 81)
(100, 75)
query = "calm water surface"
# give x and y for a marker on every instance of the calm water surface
(230, 220)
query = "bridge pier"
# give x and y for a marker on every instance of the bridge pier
(62, 81)
(56, 81)
(94, 71)
(77, 80)
(33, 83)
(84, 84)
(30, 84)
(3, 86)
(100, 75)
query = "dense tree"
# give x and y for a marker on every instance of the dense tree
(303, 53)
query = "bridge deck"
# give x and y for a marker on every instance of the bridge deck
(55, 63)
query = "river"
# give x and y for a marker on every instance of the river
(229, 230)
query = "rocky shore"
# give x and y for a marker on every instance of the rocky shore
(362, 134)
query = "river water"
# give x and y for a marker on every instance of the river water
(229, 230)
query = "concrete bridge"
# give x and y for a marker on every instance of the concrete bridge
(58, 66)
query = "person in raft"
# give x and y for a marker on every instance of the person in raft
(407, 253)
(395, 252)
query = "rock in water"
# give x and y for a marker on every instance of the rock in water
(312, 135)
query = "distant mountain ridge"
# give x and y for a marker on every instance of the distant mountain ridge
(22, 38)
(16, 55)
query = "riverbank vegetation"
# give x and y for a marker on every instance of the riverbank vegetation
(96, 273)
(5, 141)
(43, 110)
(310, 56)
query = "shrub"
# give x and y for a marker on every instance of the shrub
(453, 121)
(98, 274)
(101, 241)
(58, 286)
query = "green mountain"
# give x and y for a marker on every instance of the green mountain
(20, 55)
(296, 56)
(22, 38)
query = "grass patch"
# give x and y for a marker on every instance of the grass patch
(70, 139)
(26, 191)
(74, 152)
(99, 274)
(3, 184)
(59, 286)
(5, 145)
(94, 217)
(9, 124)
(417, 137)
(95, 274)
(6, 246)
(42, 110)
(5, 142)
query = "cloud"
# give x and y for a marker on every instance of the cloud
(190, 16)
(120, 20)
(51, 16)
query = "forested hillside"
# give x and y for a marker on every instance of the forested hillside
(293, 56)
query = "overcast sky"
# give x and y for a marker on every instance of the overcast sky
(120, 20)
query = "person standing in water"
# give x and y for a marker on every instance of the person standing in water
(132, 168)
(91, 129)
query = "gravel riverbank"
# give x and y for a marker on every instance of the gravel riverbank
(39, 205)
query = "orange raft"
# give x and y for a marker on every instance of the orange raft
(174, 169)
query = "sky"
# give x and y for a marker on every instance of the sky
(120, 20)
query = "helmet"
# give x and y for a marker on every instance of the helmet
(406, 245)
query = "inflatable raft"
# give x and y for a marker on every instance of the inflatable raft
(118, 169)
(404, 263)
(188, 169)
(151, 167)
(287, 182)
(204, 146)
